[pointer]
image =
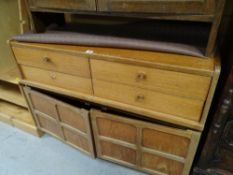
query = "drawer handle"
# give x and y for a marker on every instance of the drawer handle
(46, 59)
(140, 97)
(141, 76)
(53, 76)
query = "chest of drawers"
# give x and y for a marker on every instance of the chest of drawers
(173, 88)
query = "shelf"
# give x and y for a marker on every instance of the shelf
(18, 117)
(15, 112)
(12, 75)
(11, 93)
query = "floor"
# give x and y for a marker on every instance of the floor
(23, 154)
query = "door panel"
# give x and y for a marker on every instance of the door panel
(158, 6)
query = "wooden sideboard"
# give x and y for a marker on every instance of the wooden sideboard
(145, 94)
(141, 109)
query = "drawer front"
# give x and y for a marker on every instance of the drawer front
(158, 6)
(57, 79)
(71, 124)
(49, 59)
(168, 82)
(149, 147)
(190, 109)
(86, 5)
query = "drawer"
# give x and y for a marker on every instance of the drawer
(50, 59)
(190, 109)
(168, 82)
(86, 5)
(61, 80)
(158, 6)
(69, 123)
(153, 148)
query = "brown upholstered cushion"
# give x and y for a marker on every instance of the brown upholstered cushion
(135, 36)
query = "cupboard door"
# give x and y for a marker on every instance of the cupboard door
(75, 123)
(48, 125)
(70, 123)
(85, 5)
(152, 148)
(158, 6)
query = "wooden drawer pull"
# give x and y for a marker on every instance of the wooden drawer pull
(141, 76)
(53, 76)
(140, 97)
(46, 59)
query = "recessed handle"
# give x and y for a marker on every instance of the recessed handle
(141, 76)
(140, 97)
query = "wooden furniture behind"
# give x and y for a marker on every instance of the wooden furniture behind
(217, 154)
(13, 107)
(125, 79)
(208, 11)
(216, 148)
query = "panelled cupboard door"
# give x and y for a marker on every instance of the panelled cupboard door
(83, 5)
(69, 123)
(158, 6)
(148, 147)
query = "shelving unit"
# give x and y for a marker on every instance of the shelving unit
(10, 76)
(18, 117)
(13, 107)
(11, 93)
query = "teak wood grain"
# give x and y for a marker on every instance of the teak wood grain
(167, 61)
(69, 123)
(180, 107)
(152, 148)
(51, 60)
(168, 82)
(57, 79)
(169, 78)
